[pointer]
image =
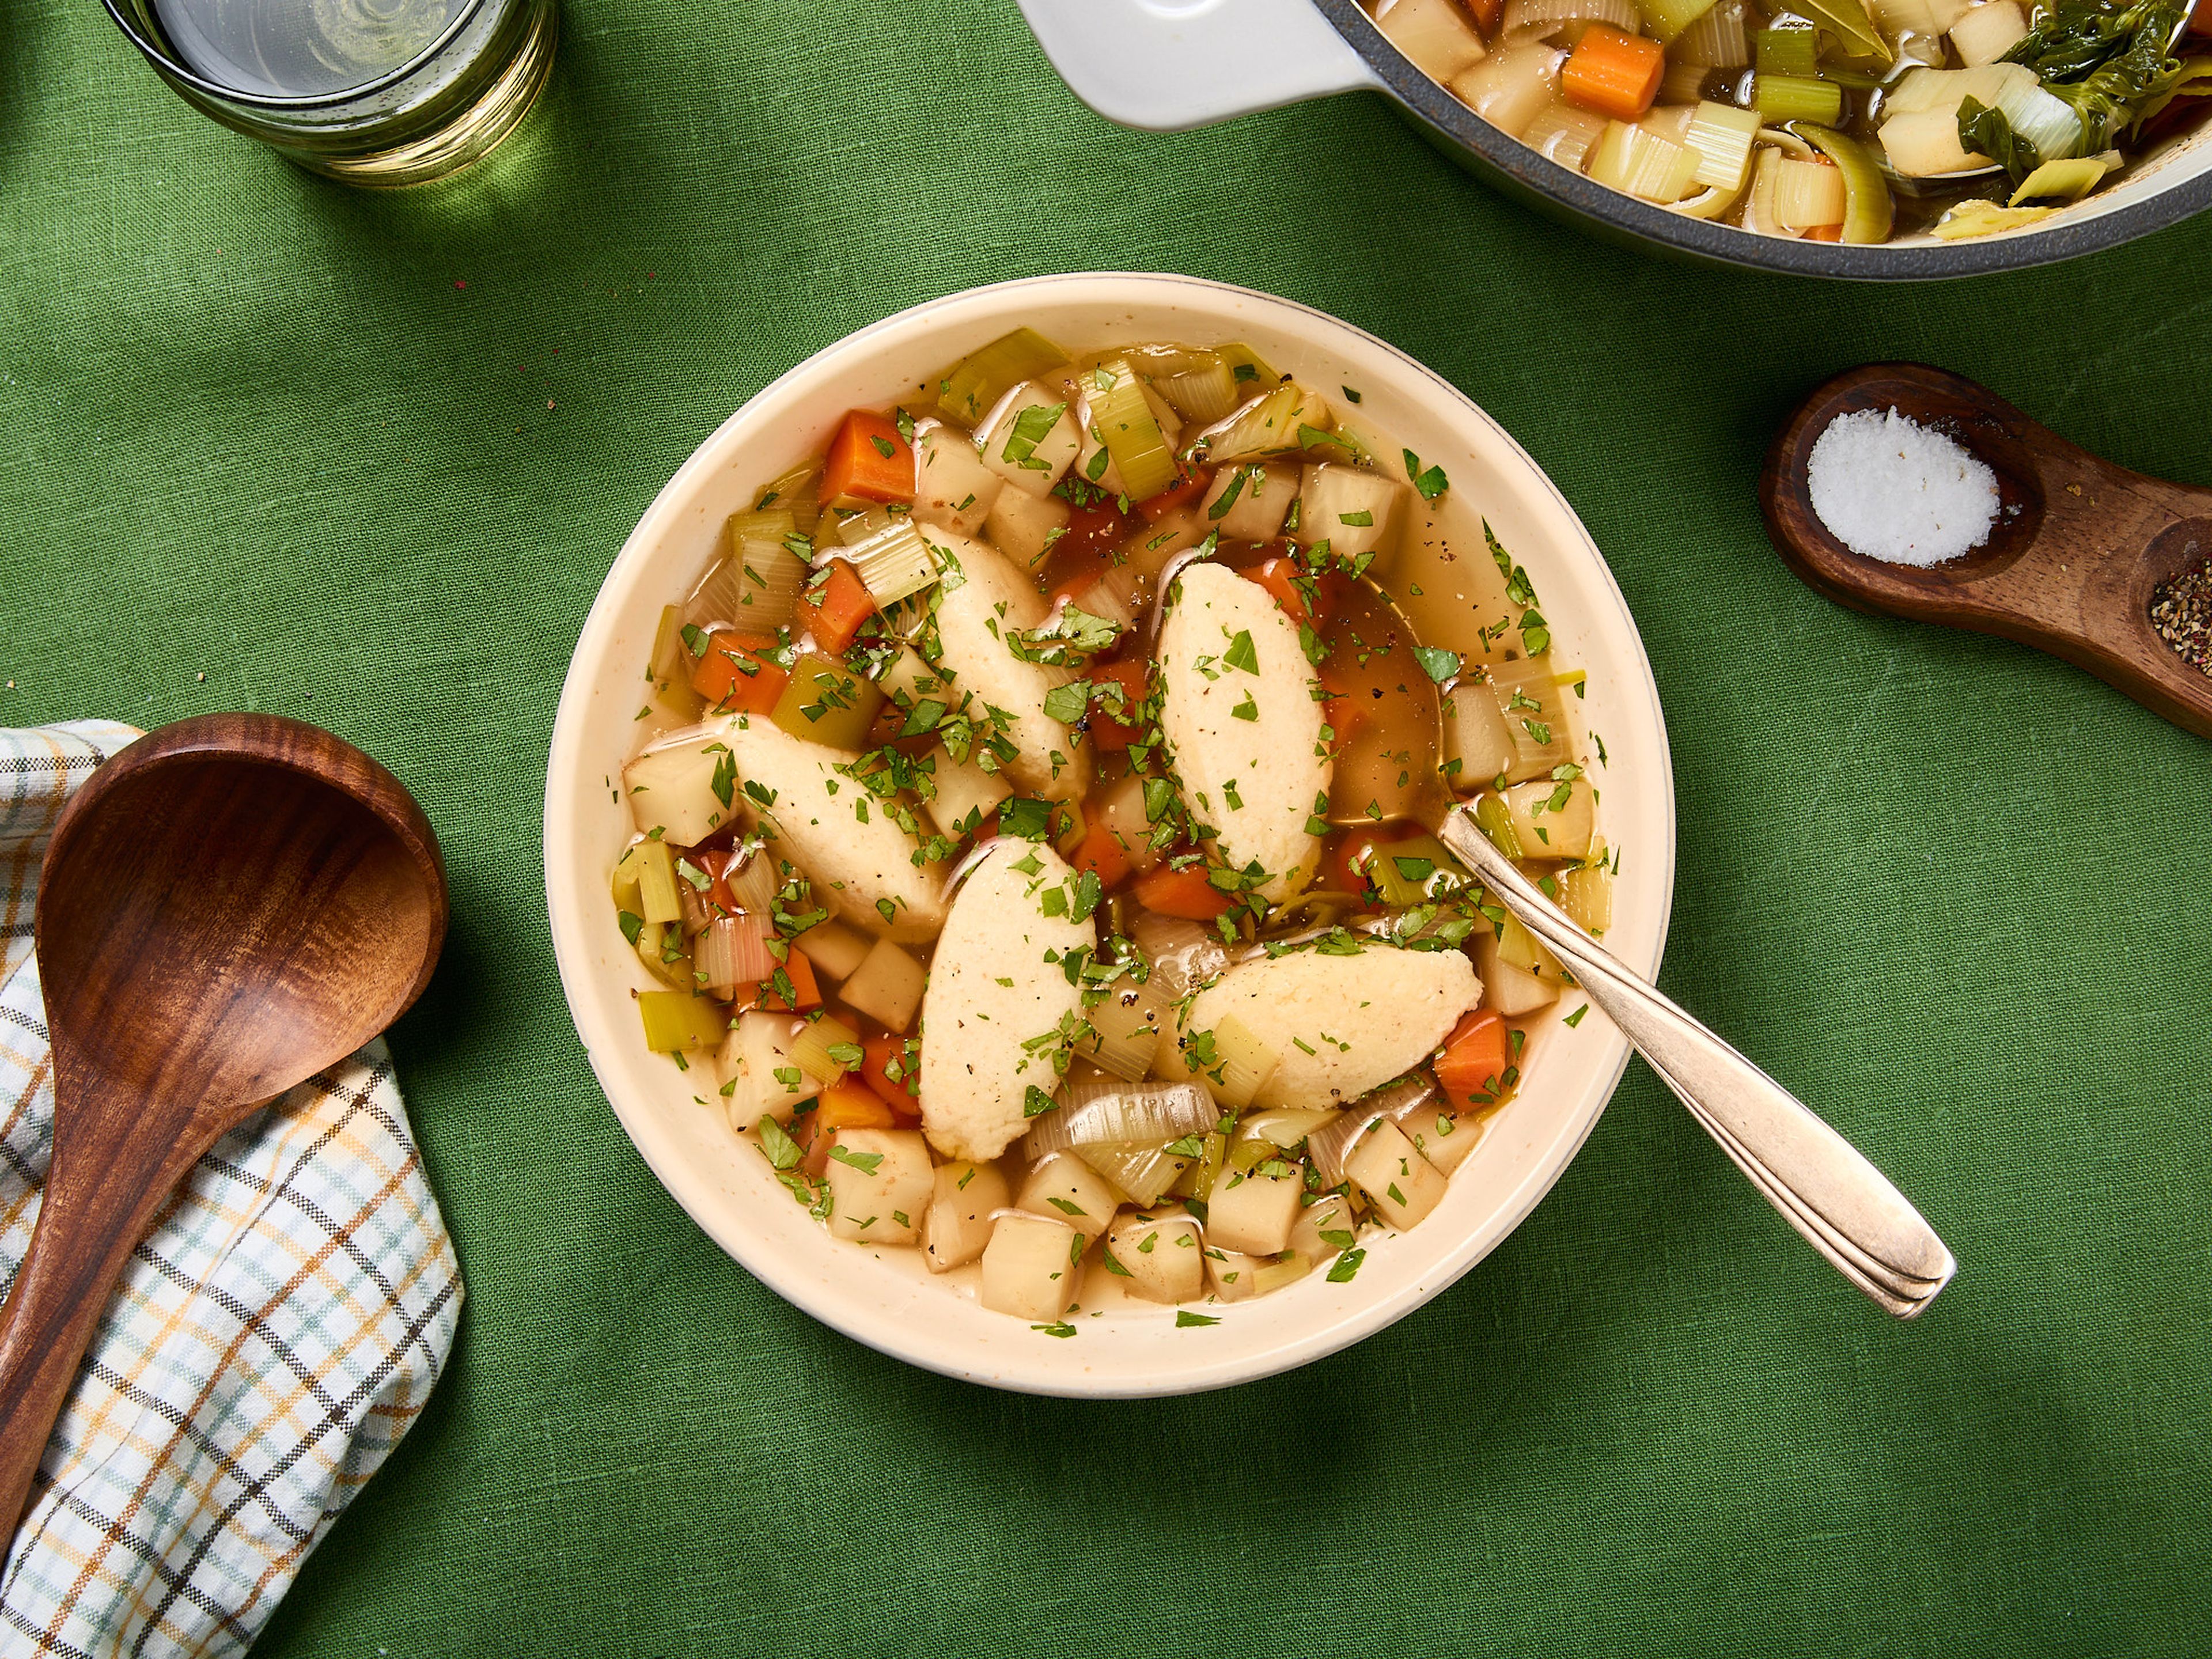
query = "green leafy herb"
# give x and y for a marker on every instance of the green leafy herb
(1438, 663)
(1341, 1270)
(1432, 482)
(1036, 1102)
(1242, 653)
(782, 1151)
(866, 1163)
(1246, 710)
(1186, 1320)
(1063, 1328)
(1032, 426)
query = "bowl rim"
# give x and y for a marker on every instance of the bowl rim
(1522, 166)
(697, 1196)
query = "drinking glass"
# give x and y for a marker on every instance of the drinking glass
(376, 92)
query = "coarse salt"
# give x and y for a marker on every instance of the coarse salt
(1891, 489)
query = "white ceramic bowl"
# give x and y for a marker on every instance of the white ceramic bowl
(887, 1300)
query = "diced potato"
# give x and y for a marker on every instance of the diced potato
(954, 488)
(1353, 510)
(1506, 989)
(1475, 736)
(957, 1223)
(1324, 1227)
(1549, 831)
(1065, 1188)
(1401, 1184)
(1032, 1267)
(1434, 34)
(887, 987)
(908, 679)
(757, 1060)
(1259, 494)
(1924, 143)
(1161, 1254)
(966, 793)
(834, 948)
(672, 789)
(1439, 1137)
(1510, 89)
(1021, 525)
(880, 1185)
(1984, 33)
(1234, 1275)
(1031, 440)
(1253, 1212)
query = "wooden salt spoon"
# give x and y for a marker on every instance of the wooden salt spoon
(227, 907)
(2070, 566)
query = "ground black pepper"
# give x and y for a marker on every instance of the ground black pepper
(2181, 611)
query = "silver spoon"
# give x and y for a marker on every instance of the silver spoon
(1846, 1209)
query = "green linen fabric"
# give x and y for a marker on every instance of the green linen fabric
(268, 443)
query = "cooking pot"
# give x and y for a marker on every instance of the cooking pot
(1167, 65)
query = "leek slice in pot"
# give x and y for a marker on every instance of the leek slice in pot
(1107, 1112)
(1869, 210)
(974, 385)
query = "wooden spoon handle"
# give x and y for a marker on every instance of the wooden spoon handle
(2070, 566)
(102, 1192)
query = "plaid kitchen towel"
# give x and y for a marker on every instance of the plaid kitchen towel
(270, 1341)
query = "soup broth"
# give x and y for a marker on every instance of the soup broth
(1034, 813)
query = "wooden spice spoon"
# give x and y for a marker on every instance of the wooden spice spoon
(2070, 566)
(227, 907)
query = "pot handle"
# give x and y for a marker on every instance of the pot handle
(1166, 65)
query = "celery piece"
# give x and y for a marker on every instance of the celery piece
(1723, 135)
(2071, 179)
(1125, 424)
(660, 947)
(771, 523)
(671, 669)
(1869, 211)
(1786, 51)
(1665, 19)
(1413, 871)
(676, 1020)
(624, 884)
(797, 492)
(1493, 818)
(1779, 98)
(1197, 1181)
(894, 561)
(653, 867)
(973, 387)
(1286, 1268)
(1564, 134)
(826, 702)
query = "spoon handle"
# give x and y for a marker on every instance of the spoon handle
(1845, 1208)
(102, 1194)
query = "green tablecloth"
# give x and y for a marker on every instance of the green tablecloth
(267, 443)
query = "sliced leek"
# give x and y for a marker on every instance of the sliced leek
(1109, 1110)
(1268, 425)
(1809, 195)
(1869, 212)
(1722, 136)
(1205, 394)
(1663, 20)
(2069, 180)
(1641, 163)
(1717, 40)
(894, 561)
(974, 387)
(1125, 424)
(826, 1048)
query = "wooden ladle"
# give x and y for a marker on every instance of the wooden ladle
(227, 907)
(2070, 567)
